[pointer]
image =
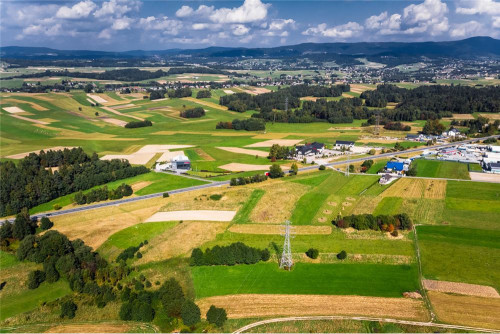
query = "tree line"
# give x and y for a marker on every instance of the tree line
(138, 124)
(250, 124)
(29, 182)
(193, 113)
(384, 223)
(103, 194)
(236, 253)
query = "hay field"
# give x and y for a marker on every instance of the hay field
(205, 215)
(435, 189)
(264, 305)
(90, 328)
(97, 98)
(278, 202)
(13, 110)
(271, 142)
(271, 229)
(232, 199)
(405, 188)
(204, 155)
(113, 121)
(466, 310)
(180, 240)
(462, 116)
(237, 167)
(492, 117)
(461, 288)
(238, 150)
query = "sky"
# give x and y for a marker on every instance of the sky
(119, 25)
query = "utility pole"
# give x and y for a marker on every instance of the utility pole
(286, 261)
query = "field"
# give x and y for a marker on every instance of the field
(442, 169)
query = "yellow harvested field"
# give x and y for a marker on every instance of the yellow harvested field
(405, 188)
(147, 152)
(232, 199)
(97, 225)
(167, 156)
(113, 121)
(277, 204)
(262, 305)
(204, 215)
(485, 177)
(435, 189)
(204, 155)
(25, 154)
(245, 151)
(36, 121)
(271, 142)
(135, 158)
(97, 98)
(90, 328)
(205, 103)
(32, 104)
(237, 167)
(461, 288)
(466, 310)
(277, 229)
(180, 240)
(270, 135)
(13, 110)
(121, 106)
(491, 116)
(309, 98)
(139, 185)
(462, 116)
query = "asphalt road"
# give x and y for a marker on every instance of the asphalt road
(218, 184)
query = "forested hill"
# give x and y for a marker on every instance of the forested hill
(471, 47)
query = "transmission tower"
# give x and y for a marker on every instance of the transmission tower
(286, 261)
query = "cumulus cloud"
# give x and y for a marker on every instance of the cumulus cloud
(385, 24)
(121, 23)
(117, 8)
(240, 30)
(467, 29)
(77, 11)
(184, 11)
(166, 25)
(343, 31)
(250, 11)
(473, 7)
(105, 34)
(281, 24)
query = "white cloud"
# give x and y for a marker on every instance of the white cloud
(240, 30)
(496, 22)
(250, 11)
(117, 8)
(78, 11)
(348, 30)
(105, 34)
(473, 7)
(281, 24)
(166, 25)
(467, 29)
(184, 11)
(121, 23)
(385, 24)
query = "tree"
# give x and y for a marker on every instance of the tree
(172, 297)
(196, 257)
(294, 169)
(351, 168)
(46, 223)
(322, 167)
(342, 255)
(49, 267)
(412, 171)
(190, 313)
(35, 278)
(433, 127)
(312, 253)
(23, 225)
(275, 171)
(217, 316)
(68, 309)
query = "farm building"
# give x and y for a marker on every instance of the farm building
(310, 149)
(495, 149)
(344, 144)
(177, 163)
(396, 167)
(386, 179)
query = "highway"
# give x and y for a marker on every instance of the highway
(221, 183)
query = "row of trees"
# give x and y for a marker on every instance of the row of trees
(103, 194)
(138, 124)
(204, 94)
(28, 183)
(193, 113)
(250, 124)
(241, 181)
(236, 253)
(397, 126)
(172, 93)
(378, 223)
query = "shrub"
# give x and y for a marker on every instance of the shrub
(190, 313)
(236, 253)
(193, 113)
(35, 278)
(46, 223)
(68, 309)
(57, 207)
(215, 197)
(395, 233)
(172, 297)
(217, 316)
(139, 255)
(342, 255)
(165, 195)
(372, 152)
(265, 255)
(322, 167)
(312, 253)
(138, 124)
(275, 171)
(204, 94)
(241, 181)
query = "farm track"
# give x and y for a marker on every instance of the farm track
(394, 321)
(222, 183)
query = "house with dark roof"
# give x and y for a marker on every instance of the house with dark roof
(310, 149)
(344, 144)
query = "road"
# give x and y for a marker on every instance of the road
(394, 321)
(221, 183)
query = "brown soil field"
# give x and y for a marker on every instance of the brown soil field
(309, 98)
(461, 288)
(271, 142)
(25, 154)
(277, 229)
(180, 240)
(405, 188)
(466, 310)
(97, 225)
(245, 151)
(434, 189)
(36, 121)
(205, 103)
(204, 155)
(246, 306)
(485, 177)
(462, 116)
(90, 328)
(277, 205)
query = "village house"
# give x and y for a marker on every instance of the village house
(310, 149)
(344, 144)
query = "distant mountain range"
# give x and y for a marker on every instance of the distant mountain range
(467, 48)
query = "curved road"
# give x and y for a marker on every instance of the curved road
(394, 321)
(221, 183)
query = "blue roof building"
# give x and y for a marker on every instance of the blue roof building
(395, 166)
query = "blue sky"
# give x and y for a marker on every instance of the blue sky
(153, 25)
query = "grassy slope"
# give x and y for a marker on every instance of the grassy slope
(243, 214)
(336, 279)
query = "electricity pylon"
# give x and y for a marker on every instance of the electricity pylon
(286, 261)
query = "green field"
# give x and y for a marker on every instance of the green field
(442, 169)
(323, 279)
(242, 216)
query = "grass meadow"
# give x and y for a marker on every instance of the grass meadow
(442, 169)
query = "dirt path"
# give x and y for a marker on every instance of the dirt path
(394, 321)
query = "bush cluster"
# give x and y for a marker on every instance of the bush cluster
(103, 194)
(236, 253)
(193, 113)
(312, 253)
(397, 126)
(216, 315)
(138, 124)
(241, 181)
(378, 223)
(250, 124)
(46, 223)
(204, 94)
(130, 252)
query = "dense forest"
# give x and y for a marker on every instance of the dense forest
(30, 182)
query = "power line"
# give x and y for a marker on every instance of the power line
(286, 261)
